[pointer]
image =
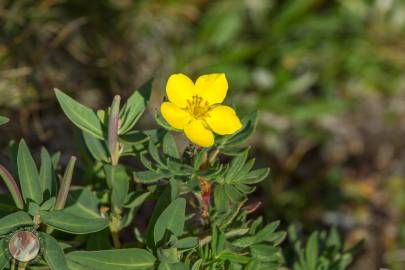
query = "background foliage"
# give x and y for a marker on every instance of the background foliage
(326, 76)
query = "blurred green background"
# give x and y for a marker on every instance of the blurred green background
(327, 76)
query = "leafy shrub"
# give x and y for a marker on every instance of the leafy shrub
(201, 216)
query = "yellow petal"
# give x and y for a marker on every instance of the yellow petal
(197, 133)
(223, 120)
(212, 87)
(175, 116)
(179, 89)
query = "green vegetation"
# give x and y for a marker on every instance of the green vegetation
(326, 77)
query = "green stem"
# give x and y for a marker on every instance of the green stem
(22, 266)
(214, 156)
(115, 234)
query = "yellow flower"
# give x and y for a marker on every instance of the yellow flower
(195, 108)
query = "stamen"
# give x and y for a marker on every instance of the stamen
(198, 107)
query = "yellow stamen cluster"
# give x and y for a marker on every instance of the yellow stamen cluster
(198, 107)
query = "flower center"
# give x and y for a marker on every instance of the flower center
(198, 107)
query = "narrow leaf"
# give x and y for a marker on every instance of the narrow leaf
(4, 260)
(84, 204)
(66, 222)
(311, 251)
(53, 253)
(236, 165)
(121, 259)
(97, 148)
(172, 219)
(12, 187)
(83, 117)
(14, 221)
(136, 199)
(233, 257)
(170, 147)
(149, 177)
(28, 174)
(119, 180)
(46, 175)
(134, 107)
(3, 120)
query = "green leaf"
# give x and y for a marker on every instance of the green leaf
(134, 137)
(149, 177)
(4, 260)
(14, 221)
(154, 152)
(186, 243)
(120, 259)
(236, 166)
(165, 198)
(53, 253)
(55, 159)
(265, 253)
(12, 187)
(119, 181)
(197, 265)
(333, 239)
(83, 117)
(172, 219)
(171, 266)
(233, 257)
(218, 241)
(199, 159)
(134, 107)
(3, 120)
(97, 148)
(170, 147)
(220, 200)
(168, 255)
(49, 204)
(46, 175)
(28, 175)
(255, 176)
(179, 168)
(33, 209)
(75, 224)
(261, 236)
(311, 251)
(75, 266)
(277, 238)
(136, 199)
(83, 203)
